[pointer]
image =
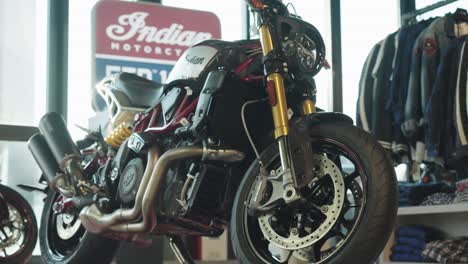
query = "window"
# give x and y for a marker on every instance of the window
(79, 65)
(23, 24)
(364, 23)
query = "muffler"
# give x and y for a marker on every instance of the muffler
(44, 157)
(55, 132)
(57, 155)
(123, 220)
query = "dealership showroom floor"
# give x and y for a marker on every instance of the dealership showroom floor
(234, 131)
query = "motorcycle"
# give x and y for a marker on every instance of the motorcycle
(233, 139)
(18, 227)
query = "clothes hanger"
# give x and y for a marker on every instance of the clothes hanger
(460, 18)
(461, 15)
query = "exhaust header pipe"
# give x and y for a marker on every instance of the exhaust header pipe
(123, 220)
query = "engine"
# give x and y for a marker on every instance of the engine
(130, 180)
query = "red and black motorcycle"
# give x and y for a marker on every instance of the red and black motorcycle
(18, 227)
(234, 139)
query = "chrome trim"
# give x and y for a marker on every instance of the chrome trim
(289, 178)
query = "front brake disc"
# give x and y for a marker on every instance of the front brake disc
(294, 241)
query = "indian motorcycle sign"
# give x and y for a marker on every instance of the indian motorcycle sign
(146, 39)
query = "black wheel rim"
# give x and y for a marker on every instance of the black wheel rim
(59, 248)
(20, 223)
(331, 244)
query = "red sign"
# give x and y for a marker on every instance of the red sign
(149, 30)
(145, 39)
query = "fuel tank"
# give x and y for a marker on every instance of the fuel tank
(209, 55)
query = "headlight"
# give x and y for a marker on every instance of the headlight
(303, 46)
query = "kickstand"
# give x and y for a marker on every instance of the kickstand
(180, 251)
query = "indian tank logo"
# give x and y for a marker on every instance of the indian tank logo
(194, 59)
(133, 26)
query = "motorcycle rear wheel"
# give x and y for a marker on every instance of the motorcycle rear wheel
(19, 208)
(366, 215)
(74, 245)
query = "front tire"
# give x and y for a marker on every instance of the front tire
(372, 224)
(74, 245)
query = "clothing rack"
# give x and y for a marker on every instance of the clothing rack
(406, 18)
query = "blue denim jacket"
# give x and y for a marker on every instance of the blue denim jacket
(427, 50)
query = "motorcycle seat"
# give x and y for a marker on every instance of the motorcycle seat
(140, 92)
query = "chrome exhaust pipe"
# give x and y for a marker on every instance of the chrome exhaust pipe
(96, 222)
(149, 217)
(121, 220)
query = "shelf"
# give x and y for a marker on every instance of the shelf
(434, 209)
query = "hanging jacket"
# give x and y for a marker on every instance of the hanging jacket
(382, 127)
(461, 93)
(439, 125)
(415, 82)
(425, 54)
(412, 114)
(432, 42)
(366, 90)
(401, 70)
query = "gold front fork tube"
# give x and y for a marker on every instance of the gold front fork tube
(308, 107)
(277, 95)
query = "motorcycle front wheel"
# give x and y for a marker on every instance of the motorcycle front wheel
(346, 213)
(18, 234)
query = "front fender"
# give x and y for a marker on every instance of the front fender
(322, 117)
(300, 125)
(299, 137)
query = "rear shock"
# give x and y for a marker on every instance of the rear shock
(118, 136)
